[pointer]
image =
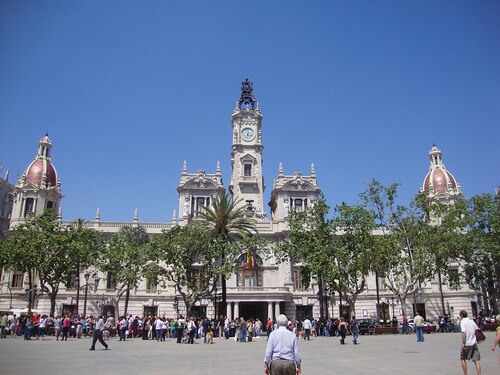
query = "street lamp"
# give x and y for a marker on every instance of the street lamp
(176, 305)
(31, 294)
(85, 287)
(392, 304)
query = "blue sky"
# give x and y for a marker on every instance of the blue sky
(130, 89)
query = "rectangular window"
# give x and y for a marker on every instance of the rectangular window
(247, 169)
(28, 207)
(200, 204)
(297, 204)
(297, 279)
(71, 282)
(111, 281)
(17, 280)
(152, 284)
(199, 277)
(50, 205)
(453, 278)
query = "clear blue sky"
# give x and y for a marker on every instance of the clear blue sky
(130, 89)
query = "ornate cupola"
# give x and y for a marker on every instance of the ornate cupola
(247, 181)
(39, 187)
(439, 183)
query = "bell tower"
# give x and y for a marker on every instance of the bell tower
(247, 181)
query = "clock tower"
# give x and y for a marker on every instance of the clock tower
(247, 181)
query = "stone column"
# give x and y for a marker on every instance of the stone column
(236, 310)
(277, 309)
(270, 310)
(229, 312)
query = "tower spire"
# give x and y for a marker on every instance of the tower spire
(246, 96)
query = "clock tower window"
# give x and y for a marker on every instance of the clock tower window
(247, 170)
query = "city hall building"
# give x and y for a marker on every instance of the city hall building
(264, 290)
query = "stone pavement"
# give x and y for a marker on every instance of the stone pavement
(383, 354)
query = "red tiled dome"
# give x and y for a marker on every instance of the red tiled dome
(36, 170)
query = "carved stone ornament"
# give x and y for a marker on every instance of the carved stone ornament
(246, 97)
(298, 181)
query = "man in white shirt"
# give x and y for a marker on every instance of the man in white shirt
(470, 351)
(99, 327)
(282, 352)
(307, 327)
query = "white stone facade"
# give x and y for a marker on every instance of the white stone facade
(277, 289)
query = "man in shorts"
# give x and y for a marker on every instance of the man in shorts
(470, 351)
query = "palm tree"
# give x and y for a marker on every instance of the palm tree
(228, 221)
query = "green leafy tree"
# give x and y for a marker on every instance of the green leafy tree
(381, 200)
(228, 221)
(187, 257)
(311, 245)
(408, 254)
(124, 257)
(402, 253)
(352, 251)
(477, 247)
(43, 248)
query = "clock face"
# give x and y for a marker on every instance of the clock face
(247, 134)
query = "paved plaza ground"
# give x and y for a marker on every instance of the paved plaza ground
(382, 354)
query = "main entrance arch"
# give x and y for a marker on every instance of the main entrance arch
(254, 310)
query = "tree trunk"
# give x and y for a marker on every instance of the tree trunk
(224, 297)
(52, 297)
(378, 295)
(443, 312)
(127, 296)
(77, 288)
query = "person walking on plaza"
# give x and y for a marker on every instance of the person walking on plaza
(243, 329)
(354, 330)
(307, 327)
(496, 342)
(3, 326)
(419, 327)
(13, 327)
(342, 330)
(123, 328)
(469, 351)
(99, 327)
(269, 327)
(282, 352)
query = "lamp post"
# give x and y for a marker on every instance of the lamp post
(176, 305)
(392, 304)
(31, 294)
(85, 287)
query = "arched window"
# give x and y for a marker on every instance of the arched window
(250, 272)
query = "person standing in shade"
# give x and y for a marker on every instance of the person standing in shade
(419, 327)
(354, 330)
(99, 327)
(282, 353)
